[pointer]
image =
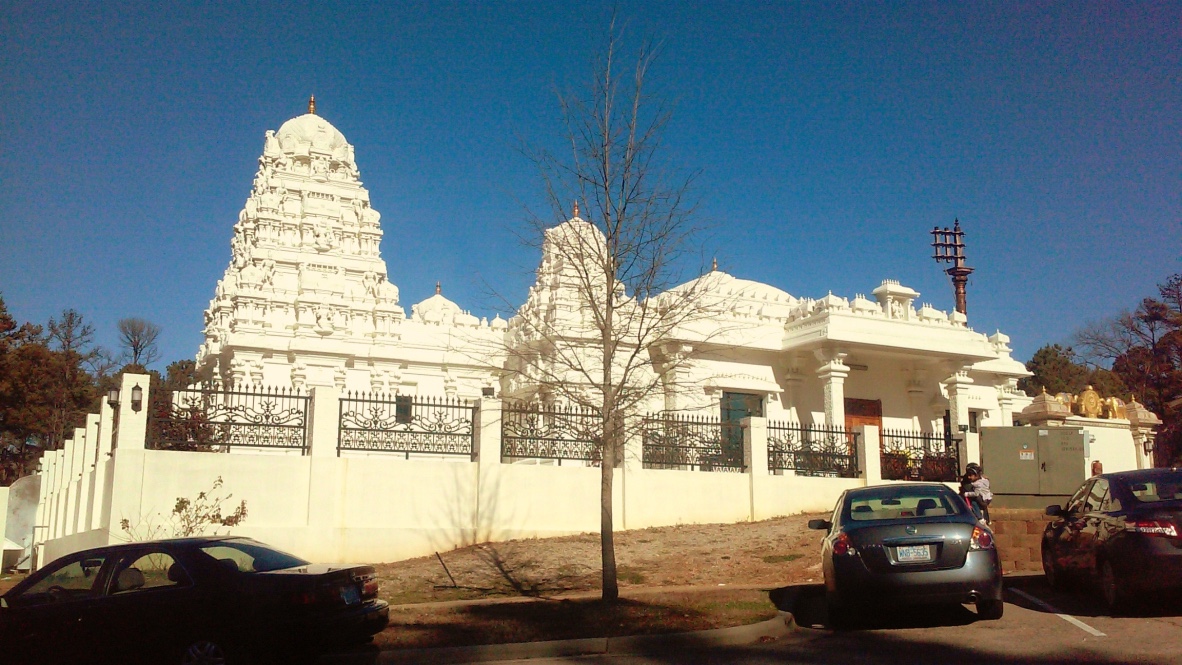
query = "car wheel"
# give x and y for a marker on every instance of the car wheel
(204, 652)
(990, 609)
(1110, 590)
(1052, 573)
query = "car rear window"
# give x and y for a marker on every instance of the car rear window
(250, 557)
(902, 503)
(1158, 487)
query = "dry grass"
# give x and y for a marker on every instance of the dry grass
(771, 553)
(654, 567)
(9, 581)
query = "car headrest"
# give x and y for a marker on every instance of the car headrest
(177, 574)
(129, 579)
(862, 509)
(229, 564)
(925, 504)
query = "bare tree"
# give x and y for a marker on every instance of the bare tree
(598, 340)
(71, 333)
(138, 339)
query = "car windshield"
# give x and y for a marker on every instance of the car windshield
(892, 503)
(250, 557)
(1164, 485)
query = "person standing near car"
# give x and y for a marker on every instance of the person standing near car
(978, 493)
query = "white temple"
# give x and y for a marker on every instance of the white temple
(306, 302)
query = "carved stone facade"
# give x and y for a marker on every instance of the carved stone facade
(306, 300)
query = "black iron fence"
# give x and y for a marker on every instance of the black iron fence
(212, 420)
(812, 450)
(692, 443)
(405, 424)
(910, 455)
(529, 431)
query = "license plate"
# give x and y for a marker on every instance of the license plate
(350, 595)
(913, 553)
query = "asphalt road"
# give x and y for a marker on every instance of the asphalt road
(1040, 627)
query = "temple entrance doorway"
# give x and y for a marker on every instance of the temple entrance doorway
(736, 407)
(862, 412)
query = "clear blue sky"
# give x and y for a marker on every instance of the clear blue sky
(831, 139)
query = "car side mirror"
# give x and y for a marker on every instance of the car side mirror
(820, 525)
(1055, 510)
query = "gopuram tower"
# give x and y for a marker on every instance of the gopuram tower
(306, 300)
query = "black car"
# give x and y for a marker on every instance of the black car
(907, 544)
(187, 600)
(1121, 531)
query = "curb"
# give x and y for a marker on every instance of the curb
(770, 630)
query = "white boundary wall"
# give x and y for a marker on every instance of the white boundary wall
(376, 508)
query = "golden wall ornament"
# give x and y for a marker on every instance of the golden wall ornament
(1088, 403)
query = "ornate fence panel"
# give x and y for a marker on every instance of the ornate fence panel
(690, 443)
(910, 455)
(208, 420)
(811, 450)
(406, 424)
(529, 431)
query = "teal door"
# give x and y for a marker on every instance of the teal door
(735, 407)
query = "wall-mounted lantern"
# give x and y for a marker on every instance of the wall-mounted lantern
(137, 398)
(113, 398)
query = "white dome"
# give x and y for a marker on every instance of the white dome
(311, 128)
(740, 297)
(722, 283)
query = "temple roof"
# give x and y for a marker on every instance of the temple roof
(742, 293)
(313, 129)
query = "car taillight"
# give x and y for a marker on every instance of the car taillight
(981, 539)
(842, 545)
(1163, 528)
(303, 598)
(369, 589)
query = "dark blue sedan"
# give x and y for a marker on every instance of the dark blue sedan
(187, 601)
(1119, 531)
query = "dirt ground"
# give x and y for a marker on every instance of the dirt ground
(768, 554)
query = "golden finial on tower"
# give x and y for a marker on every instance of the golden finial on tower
(576, 208)
(312, 105)
(438, 288)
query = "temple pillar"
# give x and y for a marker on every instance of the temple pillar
(958, 410)
(1005, 401)
(958, 403)
(832, 373)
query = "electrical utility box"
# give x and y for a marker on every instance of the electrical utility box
(1033, 467)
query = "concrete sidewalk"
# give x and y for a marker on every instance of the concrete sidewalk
(764, 631)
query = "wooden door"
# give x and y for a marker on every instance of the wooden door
(862, 412)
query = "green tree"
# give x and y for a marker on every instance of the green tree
(1059, 370)
(1055, 370)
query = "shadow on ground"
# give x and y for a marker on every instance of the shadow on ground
(806, 603)
(882, 638)
(1082, 599)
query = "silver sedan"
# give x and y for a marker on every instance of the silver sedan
(907, 544)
